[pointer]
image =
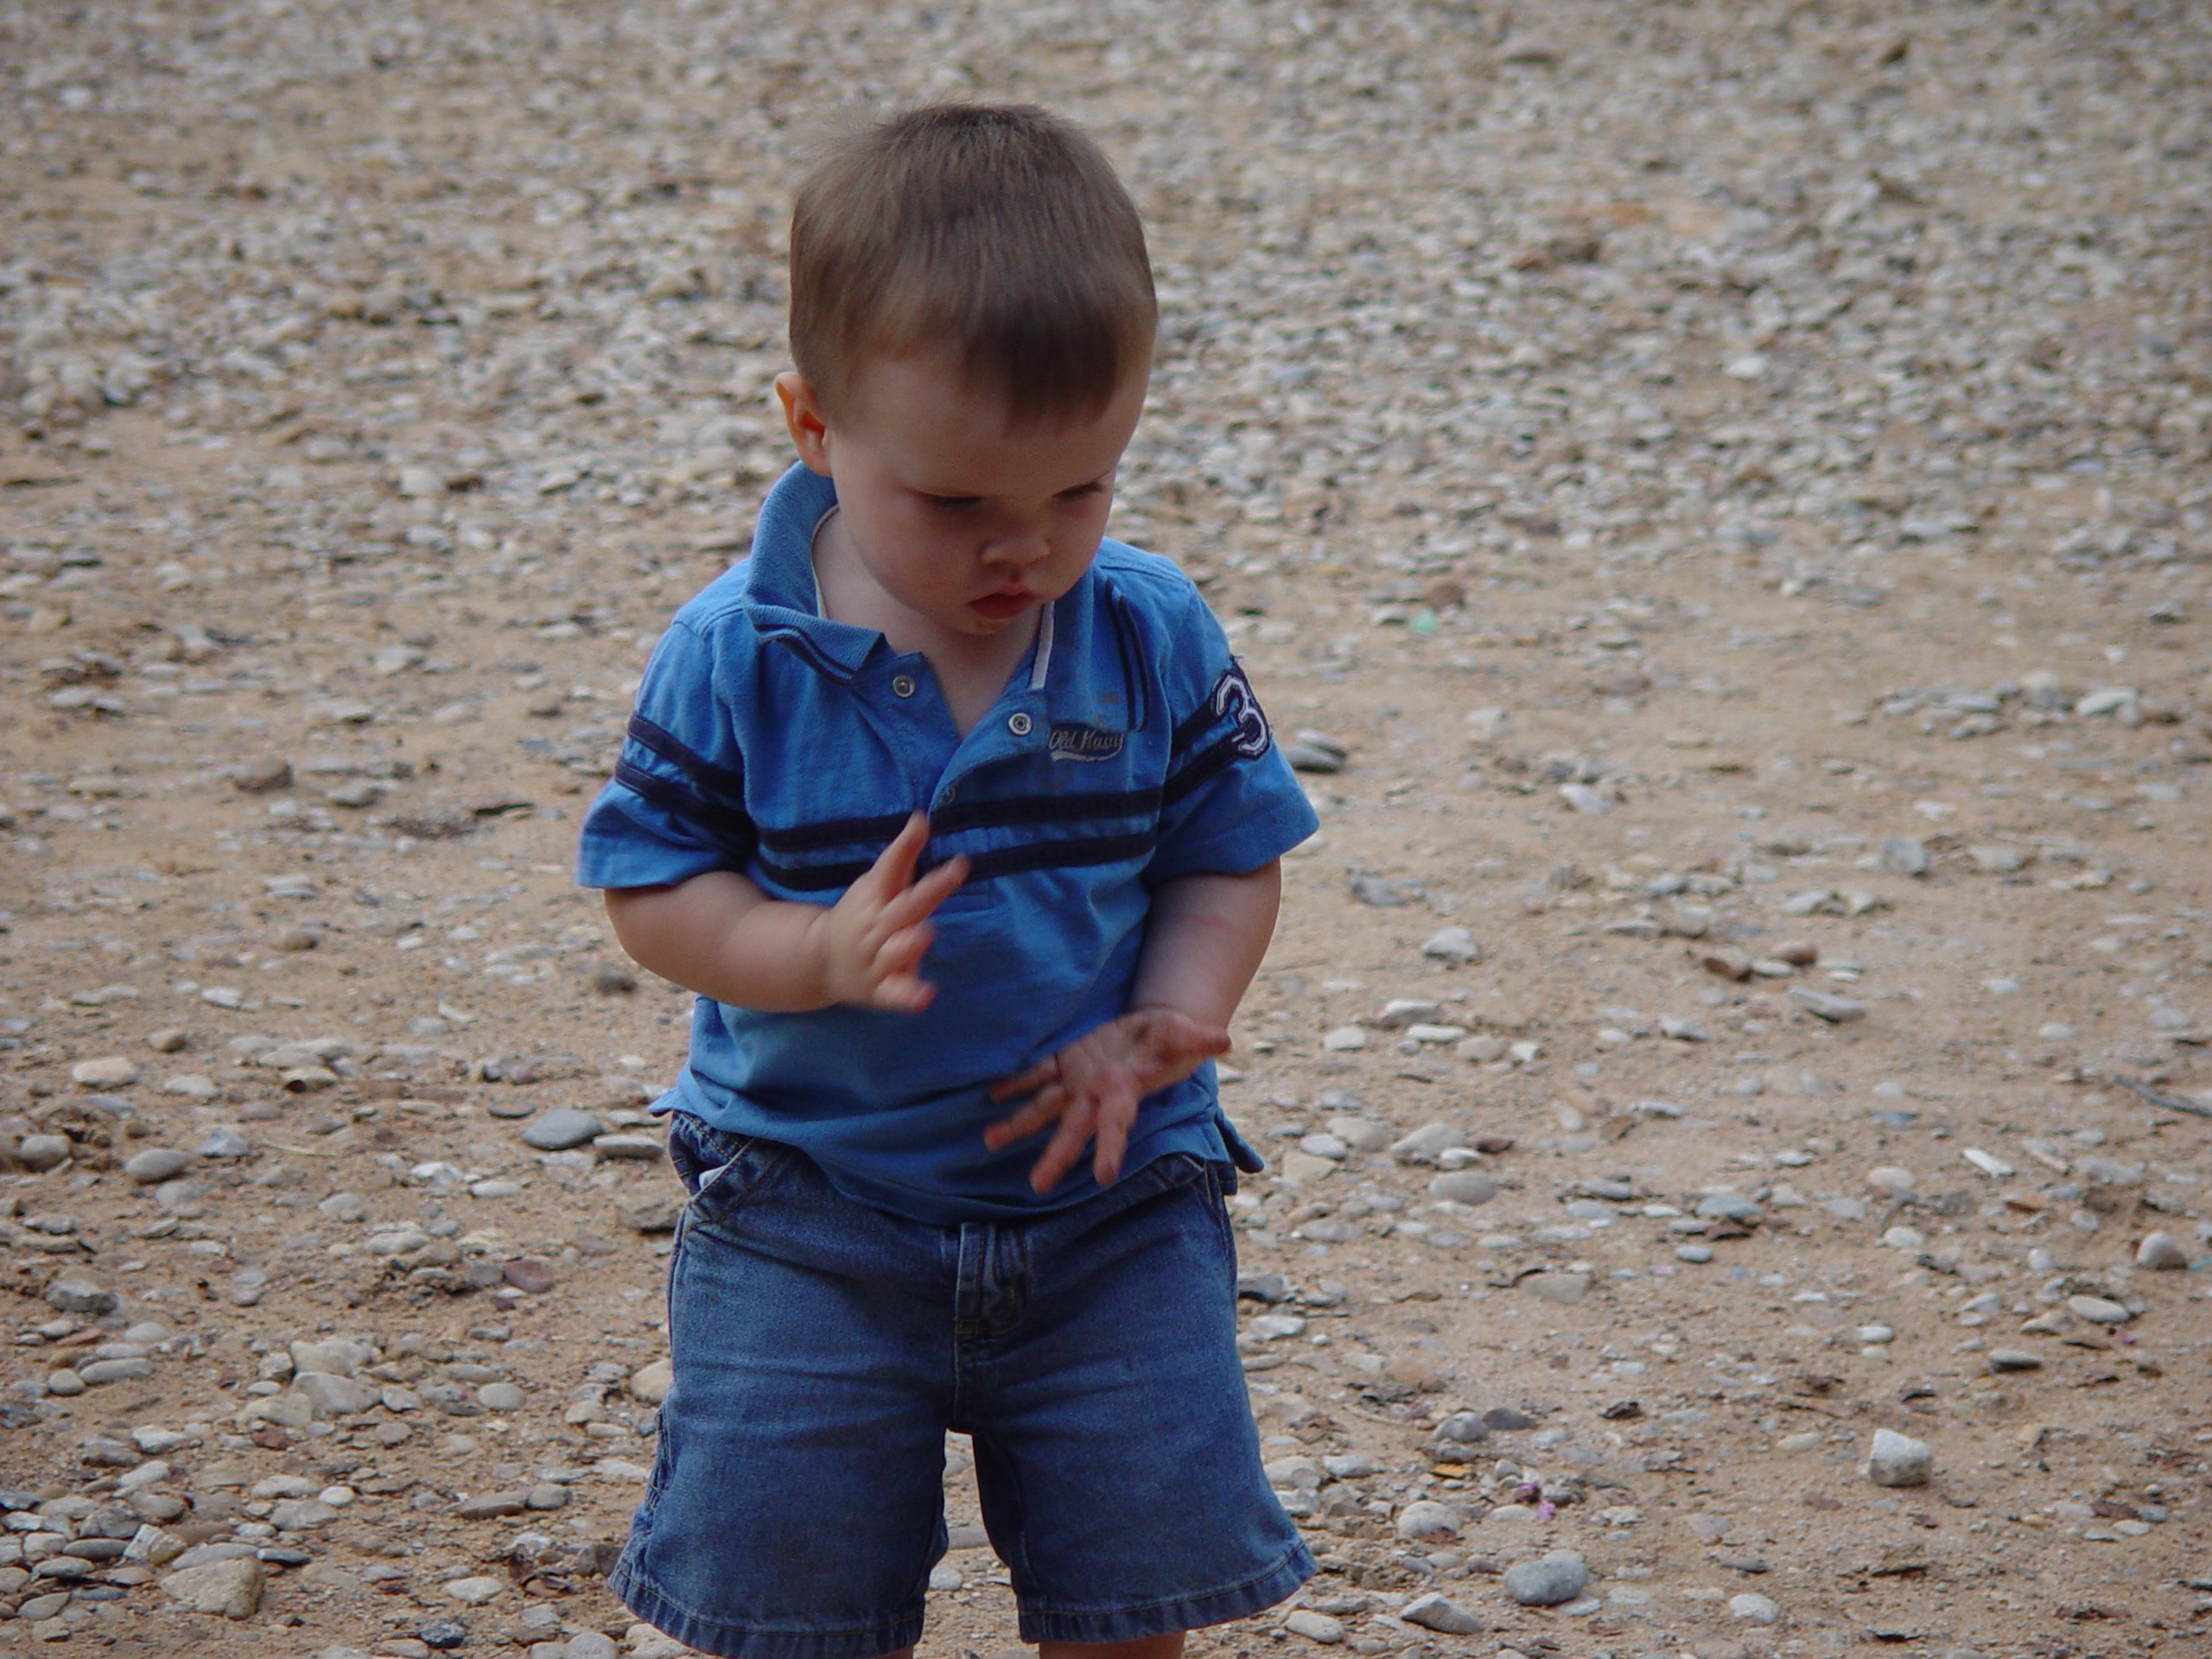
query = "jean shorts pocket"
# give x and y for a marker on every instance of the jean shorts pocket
(733, 1169)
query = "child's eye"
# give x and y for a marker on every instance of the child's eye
(1082, 492)
(953, 503)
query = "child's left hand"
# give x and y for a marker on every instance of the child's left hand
(1093, 1085)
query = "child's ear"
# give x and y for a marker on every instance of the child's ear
(804, 420)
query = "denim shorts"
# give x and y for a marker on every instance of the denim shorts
(822, 1349)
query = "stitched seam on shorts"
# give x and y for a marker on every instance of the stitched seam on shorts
(1214, 1594)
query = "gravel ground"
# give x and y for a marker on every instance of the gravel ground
(1716, 495)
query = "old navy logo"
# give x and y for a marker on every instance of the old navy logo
(1232, 700)
(1071, 742)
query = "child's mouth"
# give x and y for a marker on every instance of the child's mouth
(1007, 603)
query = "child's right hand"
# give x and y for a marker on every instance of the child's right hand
(869, 944)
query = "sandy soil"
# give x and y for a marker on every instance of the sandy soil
(1725, 486)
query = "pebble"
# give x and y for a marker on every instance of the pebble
(501, 1396)
(590, 1644)
(650, 1382)
(109, 1072)
(1891, 1180)
(1897, 1460)
(40, 1152)
(1425, 1517)
(1565, 1288)
(1466, 1187)
(2002, 1360)
(1753, 1610)
(1696, 1254)
(1426, 1144)
(155, 1164)
(1836, 1010)
(473, 1591)
(1436, 1611)
(1455, 944)
(2098, 1310)
(561, 1128)
(1547, 1582)
(230, 1589)
(1316, 1627)
(1359, 1133)
(1905, 855)
(527, 1275)
(2161, 1252)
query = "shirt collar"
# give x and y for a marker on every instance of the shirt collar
(787, 602)
(781, 572)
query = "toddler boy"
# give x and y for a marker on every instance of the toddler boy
(965, 826)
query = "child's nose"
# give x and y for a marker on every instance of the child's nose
(1020, 546)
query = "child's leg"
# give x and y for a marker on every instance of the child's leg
(1115, 1453)
(796, 1506)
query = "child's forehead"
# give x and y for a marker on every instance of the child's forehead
(930, 420)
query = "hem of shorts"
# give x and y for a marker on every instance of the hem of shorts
(1194, 1612)
(743, 1641)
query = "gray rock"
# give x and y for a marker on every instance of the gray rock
(1836, 1010)
(43, 1152)
(334, 1397)
(155, 1164)
(72, 1294)
(473, 1591)
(225, 1143)
(2014, 1360)
(560, 1128)
(1565, 1288)
(301, 1514)
(333, 1356)
(98, 1372)
(1753, 1610)
(1547, 1582)
(1437, 1611)
(489, 1506)
(2161, 1251)
(591, 1644)
(231, 1589)
(2098, 1310)
(1727, 1206)
(1905, 855)
(1451, 945)
(1897, 1460)
(1425, 1515)
(1317, 1627)
(1464, 1186)
(501, 1396)
(1426, 1143)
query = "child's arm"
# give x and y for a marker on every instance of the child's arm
(719, 935)
(1203, 944)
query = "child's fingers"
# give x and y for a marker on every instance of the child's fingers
(894, 867)
(1115, 1119)
(925, 895)
(903, 993)
(1064, 1148)
(1046, 1071)
(1050, 1102)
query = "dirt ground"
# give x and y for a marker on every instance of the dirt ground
(1716, 493)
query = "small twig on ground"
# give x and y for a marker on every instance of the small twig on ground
(2172, 1102)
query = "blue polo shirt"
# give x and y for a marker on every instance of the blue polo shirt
(1127, 750)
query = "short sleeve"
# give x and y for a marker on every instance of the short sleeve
(1230, 802)
(675, 805)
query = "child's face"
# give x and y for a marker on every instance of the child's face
(958, 520)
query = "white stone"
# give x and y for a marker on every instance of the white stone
(1896, 1459)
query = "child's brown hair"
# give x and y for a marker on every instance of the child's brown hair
(997, 232)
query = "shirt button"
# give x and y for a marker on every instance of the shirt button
(1018, 724)
(902, 685)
